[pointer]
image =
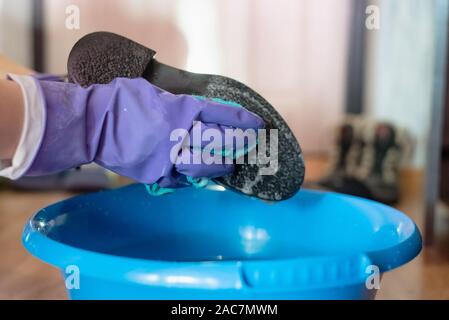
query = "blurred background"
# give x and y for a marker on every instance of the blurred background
(362, 84)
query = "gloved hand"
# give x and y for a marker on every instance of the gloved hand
(125, 126)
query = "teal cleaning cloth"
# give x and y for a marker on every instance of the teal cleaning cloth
(229, 103)
(155, 190)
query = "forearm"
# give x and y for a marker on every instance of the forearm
(11, 117)
(8, 66)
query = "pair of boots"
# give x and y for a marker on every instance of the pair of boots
(367, 160)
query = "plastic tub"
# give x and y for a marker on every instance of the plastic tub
(216, 244)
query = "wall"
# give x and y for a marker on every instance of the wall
(15, 26)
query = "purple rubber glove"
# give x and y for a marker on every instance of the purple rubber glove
(125, 126)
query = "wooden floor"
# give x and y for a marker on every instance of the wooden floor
(24, 277)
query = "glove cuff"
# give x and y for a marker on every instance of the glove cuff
(33, 128)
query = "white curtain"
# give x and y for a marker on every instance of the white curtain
(401, 68)
(293, 52)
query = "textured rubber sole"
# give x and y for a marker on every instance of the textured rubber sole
(102, 56)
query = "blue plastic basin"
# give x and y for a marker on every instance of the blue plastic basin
(216, 244)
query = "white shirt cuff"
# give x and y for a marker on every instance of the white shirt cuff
(32, 131)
